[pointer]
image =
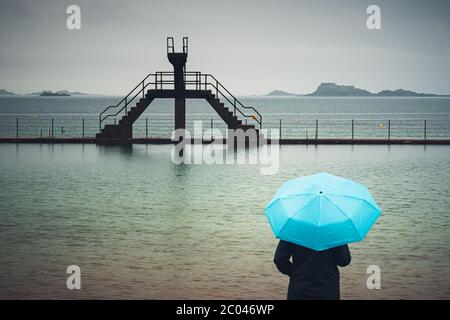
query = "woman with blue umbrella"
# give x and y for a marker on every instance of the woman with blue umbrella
(315, 217)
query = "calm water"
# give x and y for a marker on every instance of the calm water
(141, 227)
(298, 116)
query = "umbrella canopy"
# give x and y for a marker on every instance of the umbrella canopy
(322, 211)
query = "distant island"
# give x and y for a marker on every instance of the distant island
(4, 92)
(48, 93)
(331, 89)
(60, 93)
(54, 94)
(404, 93)
(281, 93)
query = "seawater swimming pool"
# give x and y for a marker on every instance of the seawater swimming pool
(140, 226)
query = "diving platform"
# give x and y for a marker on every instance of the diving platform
(178, 85)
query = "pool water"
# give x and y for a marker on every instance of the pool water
(140, 226)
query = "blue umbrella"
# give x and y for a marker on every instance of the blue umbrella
(322, 211)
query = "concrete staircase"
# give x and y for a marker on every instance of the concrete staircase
(124, 128)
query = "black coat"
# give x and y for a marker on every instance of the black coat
(312, 274)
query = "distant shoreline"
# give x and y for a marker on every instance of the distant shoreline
(48, 93)
(51, 94)
(67, 96)
(358, 97)
(331, 89)
(254, 96)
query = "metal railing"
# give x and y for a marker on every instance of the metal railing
(194, 80)
(123, 104)
(171, 45)
(185, 45)
(161, 125)
(221, 91)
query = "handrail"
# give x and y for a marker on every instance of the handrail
(209, 81)
(218, 86)
(236, 101)
(170, 45)
(127, 101)
(125, 106)
(185, 45)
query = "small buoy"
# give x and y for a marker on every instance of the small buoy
(381, 125)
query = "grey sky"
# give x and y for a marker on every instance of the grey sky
(251, 46)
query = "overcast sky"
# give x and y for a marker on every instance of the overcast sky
(253, 47)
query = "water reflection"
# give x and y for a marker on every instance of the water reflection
(124, 151)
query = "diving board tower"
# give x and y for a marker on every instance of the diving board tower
(116, 121)
(178, 61)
